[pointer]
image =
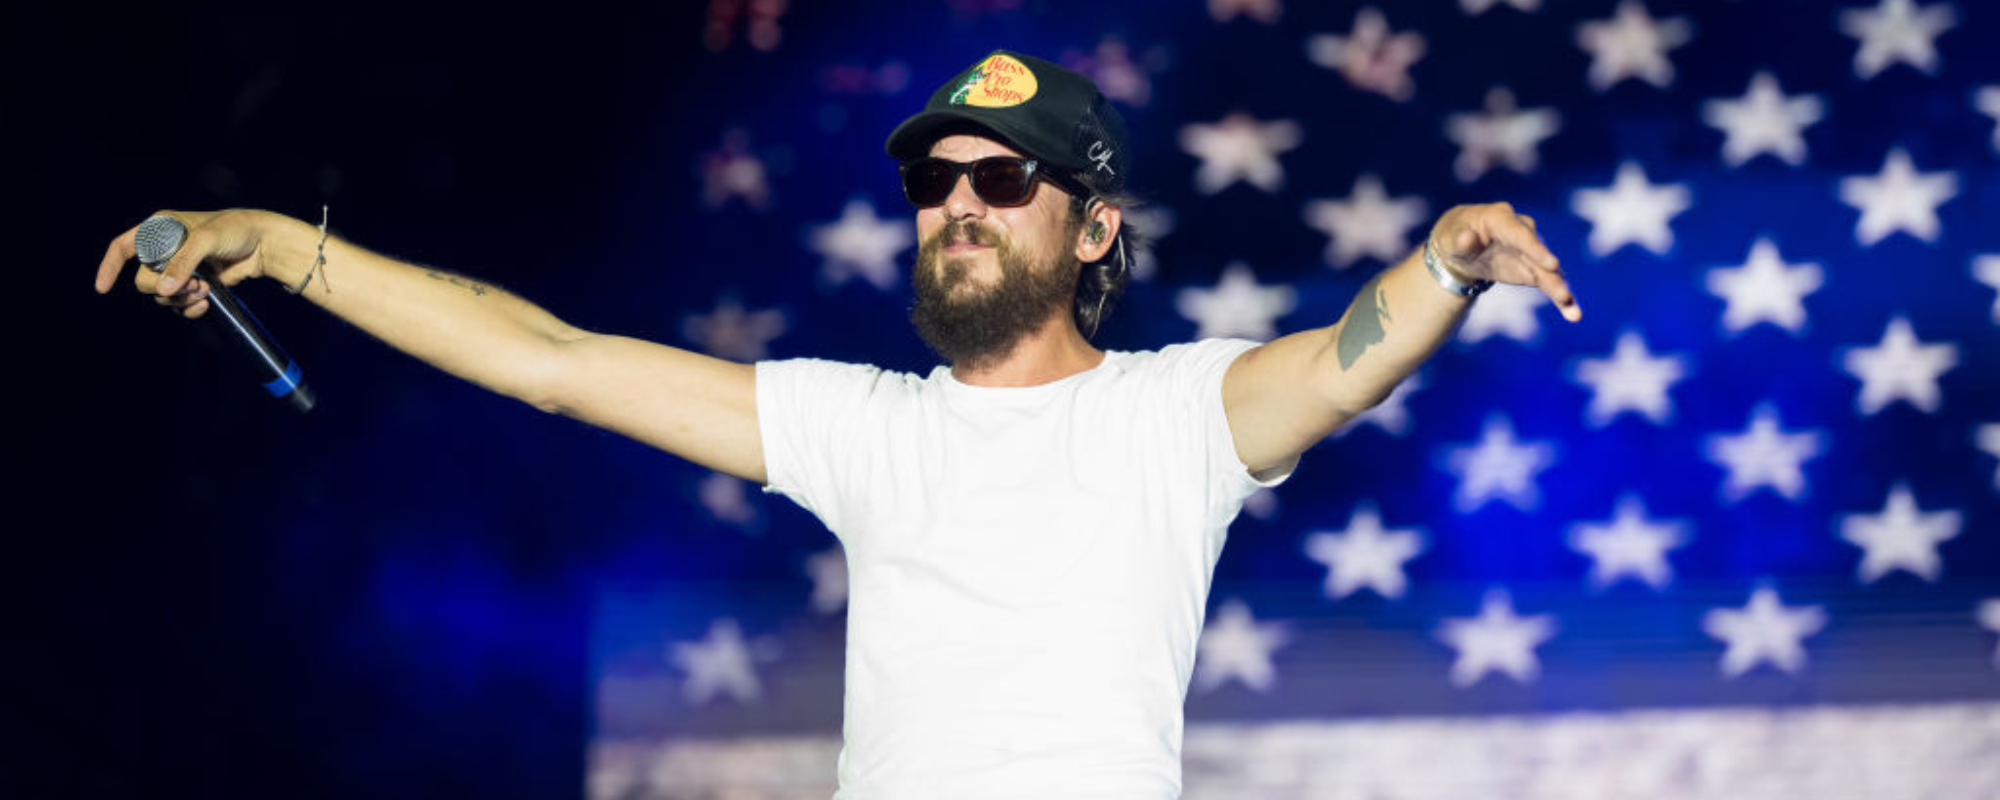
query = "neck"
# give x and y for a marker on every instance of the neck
(1046, 354)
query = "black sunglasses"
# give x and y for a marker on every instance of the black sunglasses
(996, 180)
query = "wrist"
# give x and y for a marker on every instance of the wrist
(286, 247)
(1450, 279)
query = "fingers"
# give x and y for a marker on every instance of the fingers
(1523, 257)
(1518, 232)
(188, 308)
(1471, 232)
(176, 284)
(1551, 283)
(122, 249)
(194, 290)
(191, 301)
(1546, 269)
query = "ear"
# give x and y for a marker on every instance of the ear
(1101, 223)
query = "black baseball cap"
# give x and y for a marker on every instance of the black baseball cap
(1053, 114)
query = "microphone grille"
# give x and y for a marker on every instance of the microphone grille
(159, 237)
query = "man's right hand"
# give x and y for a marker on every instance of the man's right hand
(228, 240)
(696, 406)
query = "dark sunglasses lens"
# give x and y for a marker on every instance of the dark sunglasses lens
(1001, 181)
(928, 183)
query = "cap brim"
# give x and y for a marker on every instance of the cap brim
(914, 137)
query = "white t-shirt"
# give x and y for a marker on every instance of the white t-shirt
(1027, 567)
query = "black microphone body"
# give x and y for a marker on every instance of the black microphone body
(158, 239)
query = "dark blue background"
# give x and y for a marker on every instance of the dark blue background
(392, 596)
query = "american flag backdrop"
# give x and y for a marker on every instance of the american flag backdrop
(1735, 534)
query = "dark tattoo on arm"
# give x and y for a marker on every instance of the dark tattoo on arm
(1364, 323)
(454, 280)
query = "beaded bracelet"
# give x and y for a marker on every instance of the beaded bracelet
(321, 259)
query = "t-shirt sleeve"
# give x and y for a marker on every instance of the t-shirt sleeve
(1205, 364)
(811, 413)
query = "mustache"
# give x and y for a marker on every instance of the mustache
(964, 230)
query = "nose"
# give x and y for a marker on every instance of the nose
(963, 203)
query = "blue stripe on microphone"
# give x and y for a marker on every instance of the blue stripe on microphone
(284, 384)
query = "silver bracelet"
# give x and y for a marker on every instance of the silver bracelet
(1450, 282)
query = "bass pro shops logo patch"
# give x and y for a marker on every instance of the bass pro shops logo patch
(998, 82)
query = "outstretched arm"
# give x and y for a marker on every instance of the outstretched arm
(1285, 396)
(689, 404)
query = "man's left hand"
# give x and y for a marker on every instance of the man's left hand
(1492, 242)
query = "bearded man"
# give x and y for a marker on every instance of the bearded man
(1030, 527)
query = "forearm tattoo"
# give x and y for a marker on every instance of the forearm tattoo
(454, 280)
(1364, 326)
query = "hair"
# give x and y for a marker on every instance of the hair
(1100, 283)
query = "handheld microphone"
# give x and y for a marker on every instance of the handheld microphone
(159, 238)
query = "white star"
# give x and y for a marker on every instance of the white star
(1989, 104)
(1156, 221)
(1239, 148)
(1477, 7)
(860, 243)
(1631, 211)
(1371, 58)
(1116, 74)
(1896, 30)
(734, 333)
(1765, 289)
(1390, 415)
(1366, 223)
(1764, 120)
(1498, 467)
(1632, 45)
(1901, 537)
(1900, 368)
(1504, 310)
(731, 171)
(1235, 646)
(1497, 640)
(1265, 11)
(1364, 555)
(1628, 545)
(1986, 270)
(1898, 199)
(1238, 306)
(828, 571)
(1764, 455)
(727, 500)
(1763, 631)
(722, 662)
(1988, 439)
(1499, 135)
(1989, 618)
(1632, 379)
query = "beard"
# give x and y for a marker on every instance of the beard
(976, 326)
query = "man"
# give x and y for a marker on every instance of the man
(1031, 531)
